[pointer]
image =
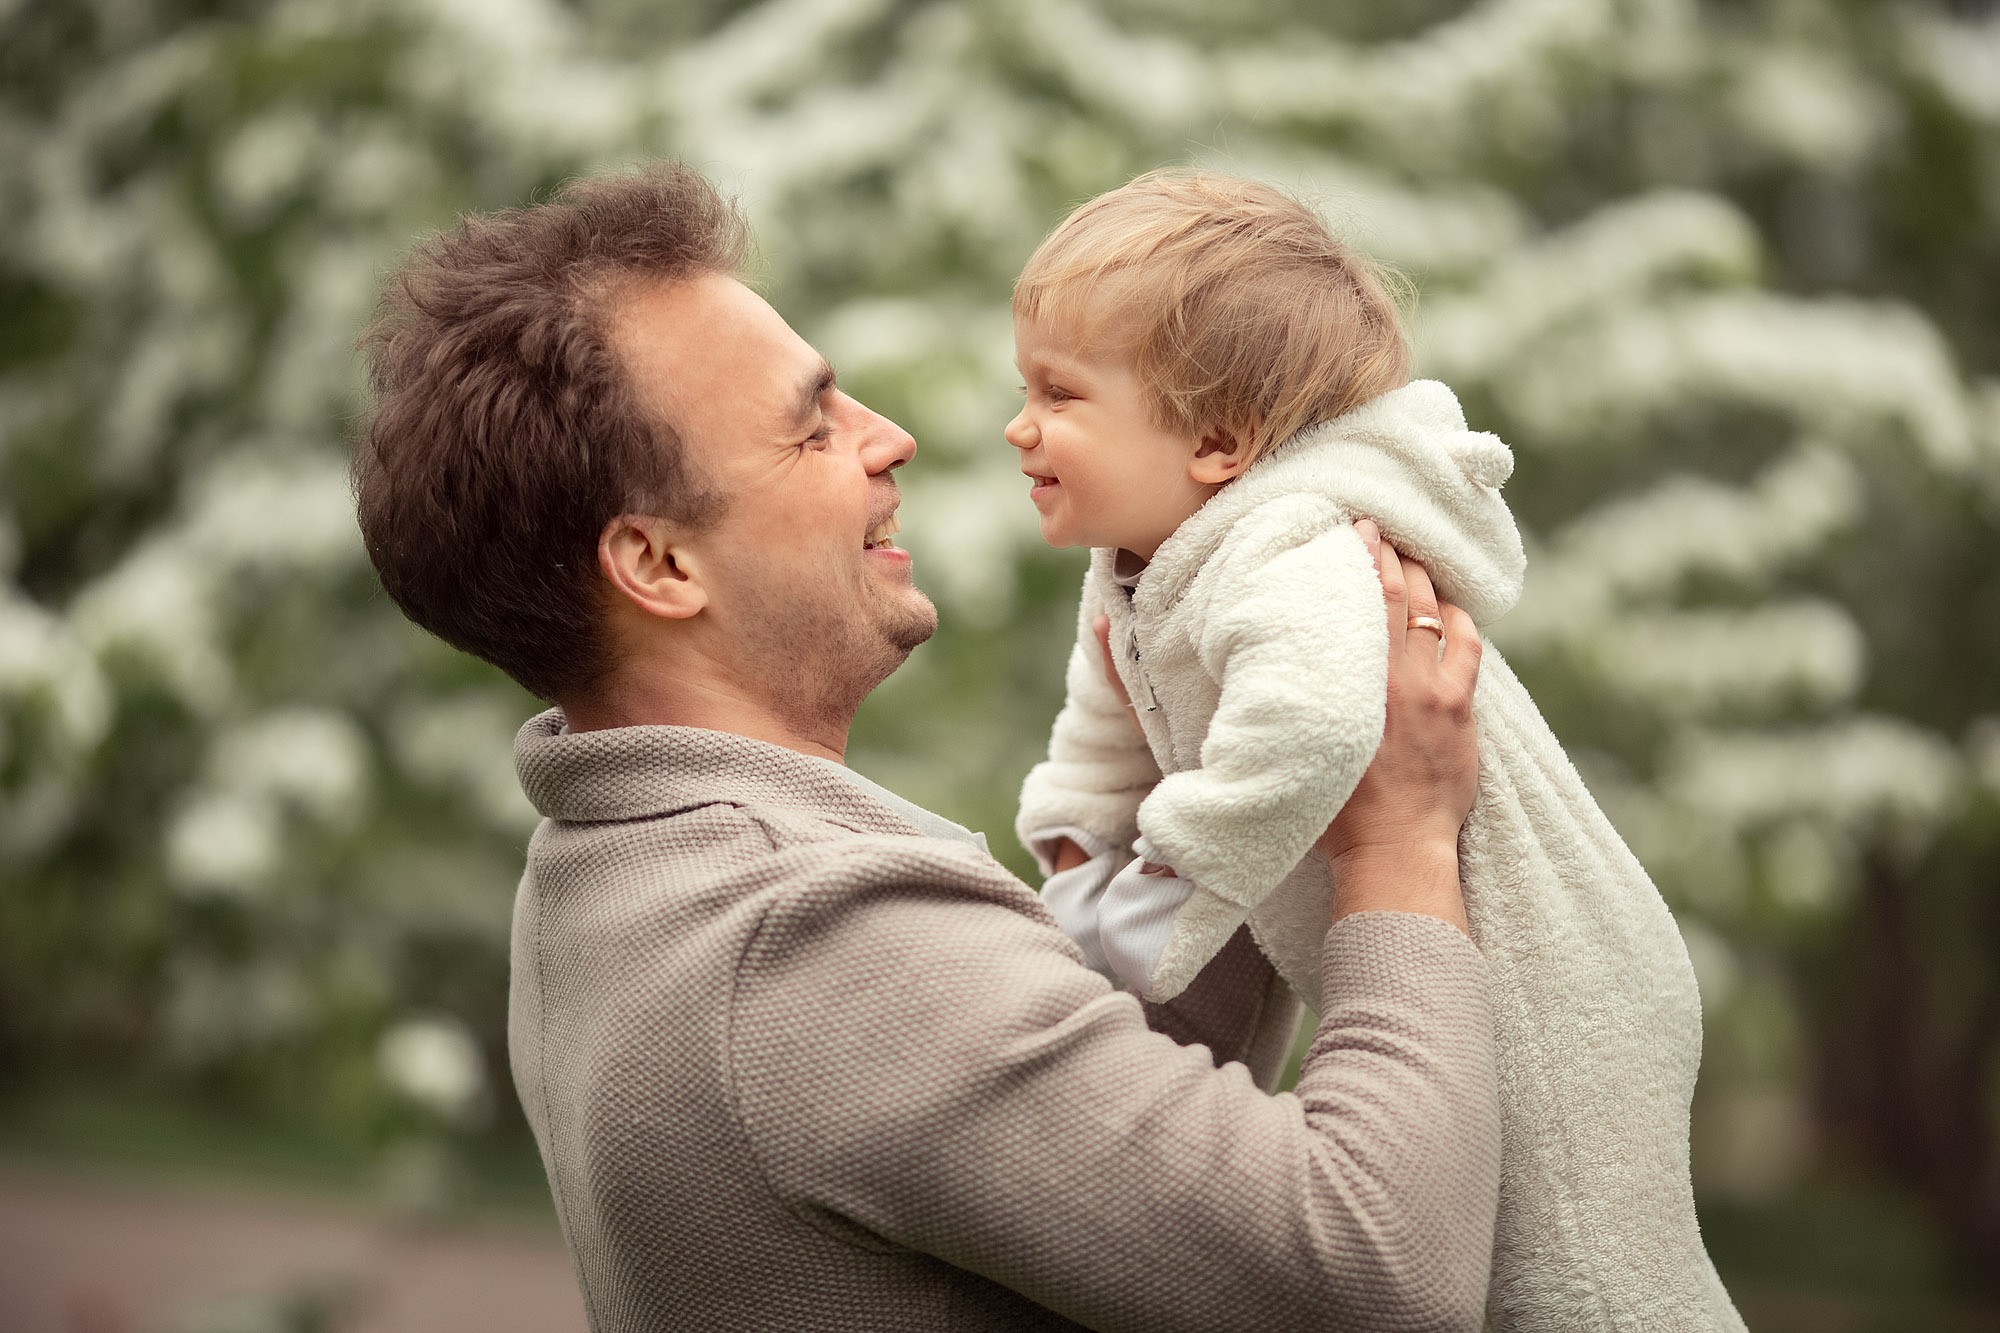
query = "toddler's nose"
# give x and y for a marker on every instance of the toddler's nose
(1020, 432)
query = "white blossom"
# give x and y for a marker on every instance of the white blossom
(765, 48)
(224, 842)
(314, 758)
(1848, 771)
(1442, 228)
(465, 743)
(1841, 367)
(374, 170)
(1690, 663)
(1150, 81)
(1638, 548)
(268, 505)
(160, 605)
(1962, 57)
(1497, 62)
(1614, 259)
(435, 1063)
(267, 161)
(1810, 107)
(39, 655)
(312, 366)
(874, 333)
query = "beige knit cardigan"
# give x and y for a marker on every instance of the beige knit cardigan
(792, 1065)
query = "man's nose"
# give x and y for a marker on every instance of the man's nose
(886, 444)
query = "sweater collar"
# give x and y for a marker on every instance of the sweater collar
(641, 772)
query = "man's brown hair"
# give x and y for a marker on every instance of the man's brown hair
(505, 432)
(1240, 311)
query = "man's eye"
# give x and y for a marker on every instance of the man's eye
(822, 435)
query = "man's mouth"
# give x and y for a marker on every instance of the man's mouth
(882, 534)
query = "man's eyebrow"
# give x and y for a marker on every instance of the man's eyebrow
(816, 382)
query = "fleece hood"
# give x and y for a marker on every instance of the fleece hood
(1406, 460)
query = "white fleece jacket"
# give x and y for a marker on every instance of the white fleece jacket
(1254, 649)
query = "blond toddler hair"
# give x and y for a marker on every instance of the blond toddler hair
(1239, 311)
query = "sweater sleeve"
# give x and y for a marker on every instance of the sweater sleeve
(1238, 1007)
(1099, 767)
(932, 1070)
(1295, 637)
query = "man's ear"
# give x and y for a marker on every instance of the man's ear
(1221, 456)
(639, 556)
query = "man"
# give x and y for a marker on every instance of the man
(797, 1053)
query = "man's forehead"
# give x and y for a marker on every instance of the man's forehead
(708, 346)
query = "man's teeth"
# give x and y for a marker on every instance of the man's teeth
(880, 534)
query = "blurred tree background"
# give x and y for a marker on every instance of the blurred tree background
(1726, 275)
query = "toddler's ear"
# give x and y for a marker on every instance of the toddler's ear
(1221, 456)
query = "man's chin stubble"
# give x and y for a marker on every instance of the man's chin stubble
(831, 673)
(867, 668)
(912, 631)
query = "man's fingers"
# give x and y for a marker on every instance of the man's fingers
(1420, 613)
(1461, 649)
(1389, 568)
(1423, 598)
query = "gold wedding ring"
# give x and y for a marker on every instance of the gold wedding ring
(1428, 622)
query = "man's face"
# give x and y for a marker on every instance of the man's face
(803, 600)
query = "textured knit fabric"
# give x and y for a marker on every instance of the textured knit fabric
(1253, 647)
(928, 823)
(792, 1065)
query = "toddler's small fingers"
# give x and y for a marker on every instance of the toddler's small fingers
(1101, 627)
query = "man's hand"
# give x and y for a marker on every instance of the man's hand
(1394, 845)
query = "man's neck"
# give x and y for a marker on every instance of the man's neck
(702, 698)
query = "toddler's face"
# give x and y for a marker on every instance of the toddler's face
(1104, 474)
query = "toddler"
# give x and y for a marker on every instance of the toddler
(1215, 388)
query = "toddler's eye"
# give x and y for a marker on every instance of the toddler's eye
(1058, 395)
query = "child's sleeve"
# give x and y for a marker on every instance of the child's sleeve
(1099, 767)
(1295, 634)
